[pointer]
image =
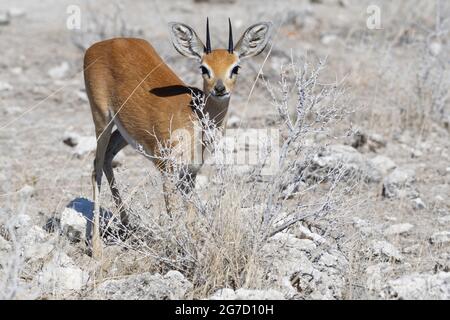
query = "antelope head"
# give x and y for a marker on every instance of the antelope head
(220, 67)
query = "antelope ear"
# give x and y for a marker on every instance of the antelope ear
(186, 41)
(254, 40)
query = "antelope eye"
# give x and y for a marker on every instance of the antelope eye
(204, 71)
(235, 70)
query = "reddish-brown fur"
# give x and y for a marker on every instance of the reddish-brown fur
(129, 78)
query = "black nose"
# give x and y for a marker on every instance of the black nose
(219, 87)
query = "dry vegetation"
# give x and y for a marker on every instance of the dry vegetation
(357, 208)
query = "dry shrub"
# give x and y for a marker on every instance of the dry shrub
(216, 234)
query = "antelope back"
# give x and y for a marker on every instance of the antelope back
(126, 79)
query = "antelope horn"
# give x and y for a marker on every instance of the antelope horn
(230, 37)
(208, 39)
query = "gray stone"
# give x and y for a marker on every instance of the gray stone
(145, 286)
(440, 238)
(223, 294)
(61, 275)
(37, 251)
(435, 48)
(383, 164)
(201, 182)
(385, 250)
(419, 287)
(341, 158)
(233, 121)
(16, 12)
(376, 275)
(83, 96)
(328, 39)
(73, 224)
(419, 204)
(297, 267)
(5, 86)
(71, 138)
(59, 71)
(85, 146)
(444, 220)
(397, 229)
(22, 223)
(5, 19)
(399, 184)
(27, 191)
(16, 70)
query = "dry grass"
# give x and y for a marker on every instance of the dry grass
(216, 235)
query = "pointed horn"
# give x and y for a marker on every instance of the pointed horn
(208, 39)
(230, 37)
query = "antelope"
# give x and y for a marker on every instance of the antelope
(130, 87)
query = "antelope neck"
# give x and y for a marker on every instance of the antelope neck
(217, 109)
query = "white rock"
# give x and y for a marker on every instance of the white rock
(385, 250)
(247, 294)
(145, 286)
(15, 12)
(71, 138)
(440, 238)
(83, 96)
(444, 220)
(419, 204)
(223, 294)
(315, 273)
(85, 145)
(27, 191)
(383, 164)
(328, 39)
(328, 260)
(37, 251)
(435, 48)
(16, 70)
(201, 182)
(33, 235)
(286, 239)
(376, 275)
(22, 222)
(4, 244)
(233, 121)
(412, 249)
(419, 287)
(416, 153)
(5, 19)
(399, 183)
(61, 275)
(345, 158)
(304, 232)
(73, 224)
(59, 71)
(397, 229)
(5, 86)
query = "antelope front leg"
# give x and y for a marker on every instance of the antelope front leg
(96, 241)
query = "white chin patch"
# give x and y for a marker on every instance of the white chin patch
(221, 96)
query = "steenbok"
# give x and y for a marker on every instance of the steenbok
(129, 86)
